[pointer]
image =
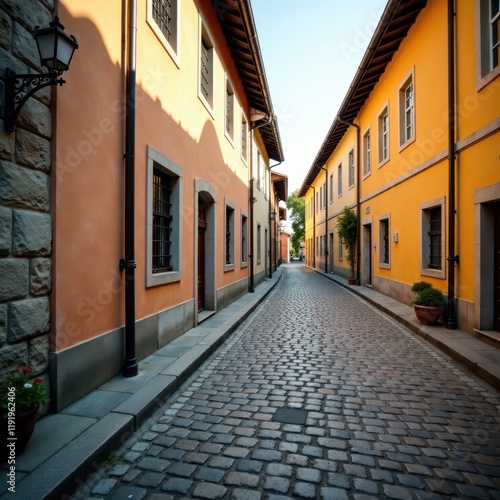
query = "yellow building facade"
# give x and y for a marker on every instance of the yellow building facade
(414, 150)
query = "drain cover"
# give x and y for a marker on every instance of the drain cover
(290, 416)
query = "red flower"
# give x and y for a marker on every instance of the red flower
(26, 369)
(38, 380)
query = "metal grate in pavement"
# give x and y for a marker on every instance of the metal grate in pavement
(290, 416)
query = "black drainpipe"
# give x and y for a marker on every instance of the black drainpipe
(452, 258)
(130, 366)
(358, 196)
(314, 226)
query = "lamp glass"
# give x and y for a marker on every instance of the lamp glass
(46, 47)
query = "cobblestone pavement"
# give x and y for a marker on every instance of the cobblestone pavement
(318, 395)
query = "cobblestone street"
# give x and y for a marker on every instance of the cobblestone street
(317, 395)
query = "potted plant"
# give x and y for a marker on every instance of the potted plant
(20, 398)
(429, 302)
(347, 229)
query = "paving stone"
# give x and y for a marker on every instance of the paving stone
(277, 484)
(242, 479)
(153, 464)
(254, 466)
(209, 474)
(177, 485)
(150, 479)
(130, 492)
(104, 487)
(279, 470)
(305, 490)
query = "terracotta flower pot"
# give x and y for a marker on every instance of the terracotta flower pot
(428, 315)
(24, 426)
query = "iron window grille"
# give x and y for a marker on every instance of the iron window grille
(244, 139)
(163, 15)
(205, 70)
(385, 240)
(229, 215)
(162, 222)
(229, 112)
(435, 238)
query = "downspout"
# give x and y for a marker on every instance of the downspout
(358, 197)
(314, 224)
(326, 219)
(452, 258)
(130, 366)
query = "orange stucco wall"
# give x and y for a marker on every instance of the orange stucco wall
(88, 181)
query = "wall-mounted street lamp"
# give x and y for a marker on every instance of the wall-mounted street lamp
(56, 49)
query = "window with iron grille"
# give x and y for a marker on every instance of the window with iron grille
(244, 240)
(367, 153)
(229, 237)
(163, 229)
(162, 219)
(206, 67)
(162, 17)
(229, 110)
(331, 188)
(244, 139)
(435, 238)
(351, 168)
(384, 227)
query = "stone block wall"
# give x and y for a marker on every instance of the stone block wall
(25, 211)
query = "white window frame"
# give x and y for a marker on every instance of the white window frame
(339, 181)
(407, 113)
(351, 169)
(384, 221)
(384, 137)
(425, 239)
(155, 160)
(206, 37)
(173, 46)
(367, 153)
(486, 70)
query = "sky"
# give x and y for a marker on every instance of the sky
(311, 52)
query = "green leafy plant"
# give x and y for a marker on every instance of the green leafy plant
(20, 392)
(347, 229)
(426, 295)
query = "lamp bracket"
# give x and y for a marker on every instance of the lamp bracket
(19, 88)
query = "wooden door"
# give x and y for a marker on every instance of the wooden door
(201, 267)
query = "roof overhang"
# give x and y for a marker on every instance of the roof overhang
(397, 19)
(280, 183)
(238, 27)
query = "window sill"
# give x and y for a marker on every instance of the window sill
(163, 278)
